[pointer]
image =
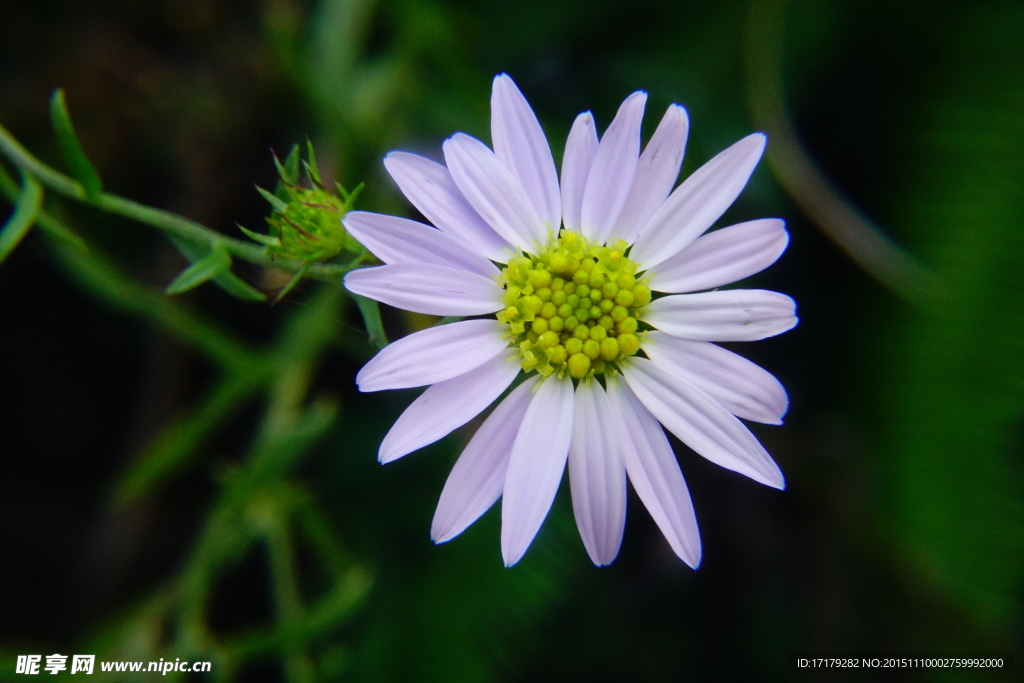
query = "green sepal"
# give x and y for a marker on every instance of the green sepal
(289, 172)
(26, 210)
(213, 264)
(310, 164)
(371, 318)
(265, 240)
(71, 148)
(275, 202)
(226, 280)
(349, 197)
(299, 274)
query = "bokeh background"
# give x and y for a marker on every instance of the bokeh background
(902, 526)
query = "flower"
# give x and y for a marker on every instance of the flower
(604, 358)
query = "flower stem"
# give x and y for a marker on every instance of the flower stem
(163, 220)
(854, 233)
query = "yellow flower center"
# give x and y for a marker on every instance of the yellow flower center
(573, 308)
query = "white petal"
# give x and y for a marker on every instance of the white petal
(580, 148)
(596, 475)
(656, 173)
(745, 389)
(478, 477)
(697, 203)
(493, 191)
(723, 257)
(433, 355)
(520, 144)
(724, 315)
(446, 406)
(425, 288)
(701, 422)
(655, 473)
(611, 174)
(430, 188)
(535, 467)
(400, 240)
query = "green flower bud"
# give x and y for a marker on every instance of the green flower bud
(305, 222)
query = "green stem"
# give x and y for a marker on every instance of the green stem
(101, 276)
(26, 209)
(175, 446)
(157, 218)
(298, 668)
(847, 227)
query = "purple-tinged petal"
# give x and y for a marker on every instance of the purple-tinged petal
(425, 288)
(400, 240)
(655, 474)
(580, 148)
(612, 171)
(656, 173)
(697, 203)
(477, 479)
(433, 355)
(446, 406)
(724, 315)
(493, 192)
(535, 466)
(745, 389)
(723, 257)
(430, 188)
(597, 476)
(701, 422)
(520, 144)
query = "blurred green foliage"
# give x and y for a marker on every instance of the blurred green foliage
(953, 382)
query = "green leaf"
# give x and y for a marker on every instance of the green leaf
(371, 318)
(238, 288)
(228, 281)
(71, 148)
(213, 264)
(25, 212)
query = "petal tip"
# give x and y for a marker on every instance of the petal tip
(694, 563)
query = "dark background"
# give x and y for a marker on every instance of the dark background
(902, 525)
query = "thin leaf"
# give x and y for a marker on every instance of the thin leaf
(25, 212)
(299, 274)
(238, 288)
(371, 318)
(213, 264)
(71, 148)
(228, 281)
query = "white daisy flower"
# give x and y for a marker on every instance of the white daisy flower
(560, 283)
